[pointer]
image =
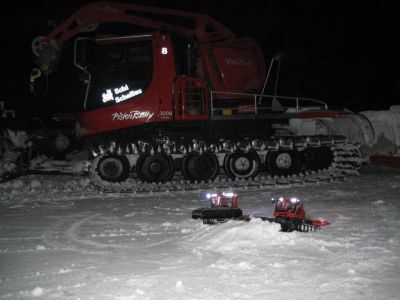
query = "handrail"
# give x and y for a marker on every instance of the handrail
(299, 103)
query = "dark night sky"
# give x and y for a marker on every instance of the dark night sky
(342, 52)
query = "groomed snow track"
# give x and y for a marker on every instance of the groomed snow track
(346, 160)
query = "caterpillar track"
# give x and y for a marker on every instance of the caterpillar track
(307, 228)
(254, 164)
(289, 225)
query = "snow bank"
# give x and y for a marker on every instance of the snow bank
(377, 131)
(354, 127)
(386, 125)
(31, 188)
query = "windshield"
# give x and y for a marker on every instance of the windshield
(119, 72)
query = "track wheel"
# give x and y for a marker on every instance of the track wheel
(242, 165)
(155, 168)
(198, 167)
(283, 162)
(319, 158)
(114, 168)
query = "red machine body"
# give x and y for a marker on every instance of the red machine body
(224, 207)
(168, 97)
(290, 208)
(291, 215)
(171, 91)
(221, 62)
(224, 200)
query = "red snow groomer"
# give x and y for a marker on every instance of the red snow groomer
(224, 207)
(289, 213)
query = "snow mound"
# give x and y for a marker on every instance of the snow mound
(37, 292)
(253, 237)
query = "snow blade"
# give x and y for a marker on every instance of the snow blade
(217, 214)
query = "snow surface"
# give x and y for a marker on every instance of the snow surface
(62, 239)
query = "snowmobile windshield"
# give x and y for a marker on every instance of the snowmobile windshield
(119, 71)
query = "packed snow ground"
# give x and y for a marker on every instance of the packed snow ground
(61, 239)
